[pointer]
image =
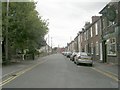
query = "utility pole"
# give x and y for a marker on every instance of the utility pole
(46, 47)
(6, 32)
(118, 42)
(58, 48)
(51, 45)
(70, 38)
(1, 34)
(48, 43)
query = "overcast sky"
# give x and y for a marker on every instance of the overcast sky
(67, 17)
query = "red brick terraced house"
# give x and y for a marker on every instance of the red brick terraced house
(111, 32)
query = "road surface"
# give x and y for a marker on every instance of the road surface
(57, 71)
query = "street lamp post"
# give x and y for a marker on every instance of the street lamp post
(51, 45)
(0, 23)
(6, 32)
(48, 44)
(118, 41)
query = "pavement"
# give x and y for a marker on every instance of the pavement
(18, 66)
(57, 71)
(109, 68)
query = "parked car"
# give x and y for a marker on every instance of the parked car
(83, 57)
(72, 57)
(63, 53)
(68, 54)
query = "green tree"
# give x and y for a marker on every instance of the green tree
(26, 29)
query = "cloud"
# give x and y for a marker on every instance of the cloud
(67, 17)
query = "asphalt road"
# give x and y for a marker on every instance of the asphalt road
(57, 71)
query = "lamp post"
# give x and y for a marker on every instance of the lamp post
(46, 47)
(48, 44)
(6, 32)
(118, 42)
(51, 45)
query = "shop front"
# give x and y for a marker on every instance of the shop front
(110, 45)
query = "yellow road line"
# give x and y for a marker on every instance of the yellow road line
(109, 72)
(9, 80)
(106, 74)
(12, 72)
(20, 73)
(6, 80)
(23, 71)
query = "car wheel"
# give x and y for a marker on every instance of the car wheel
(74, 61)
(77, 63)
(91, 65)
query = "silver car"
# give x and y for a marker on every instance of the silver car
(72, 57)
(83, 57)
(68, 54)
